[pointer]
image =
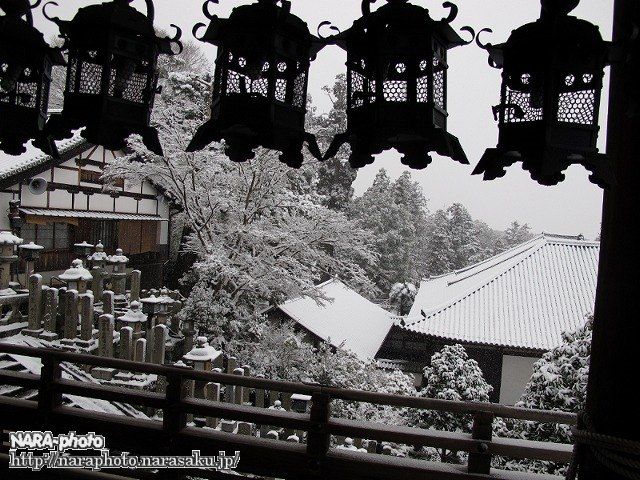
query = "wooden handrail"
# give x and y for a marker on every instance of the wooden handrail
(173, 433)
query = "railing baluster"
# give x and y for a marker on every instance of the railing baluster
(318, 438)
(173, 421)
(48, 397)
(480, 462)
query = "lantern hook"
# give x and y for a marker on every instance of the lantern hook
(205, 9)
(327, 23)
(495, 54)
(366, 7)
(195, 30)
(151, 11)
(453, 13)
(471, 31)
(55, 20)
(176, 39)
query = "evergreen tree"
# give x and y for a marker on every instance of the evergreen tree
(516, 234)
(439, 251)
(558, 382)
(462, 232)
(402, 296)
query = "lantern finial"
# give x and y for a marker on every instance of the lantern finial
(558, 7)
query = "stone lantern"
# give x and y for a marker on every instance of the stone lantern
(135, 318)
(8, 242)
(83, 250)
(156, 309)
(119, 276)
(97, 263)
(99, 258)
(30, 253)
(77, 277)
(203, 356)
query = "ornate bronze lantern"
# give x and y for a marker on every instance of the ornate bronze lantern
(111, 74)
(25, 76)
(260, 86)
(397, 84)
(552, 82)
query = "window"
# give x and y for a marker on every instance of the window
(51, 235)
(90, 176)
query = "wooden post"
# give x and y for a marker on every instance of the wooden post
(318, 438)
(48, 398)
(173, 421)
(611, 398)
(480, 461)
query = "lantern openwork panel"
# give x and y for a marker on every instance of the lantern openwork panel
(552, 82)
(26, 62)
(111, 74)
(260, 85)
(397, 85)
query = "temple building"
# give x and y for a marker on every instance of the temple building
(57, 203)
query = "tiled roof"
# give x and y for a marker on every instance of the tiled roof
(46, 212)
(13, 165)
(347, 321)
(523, 298)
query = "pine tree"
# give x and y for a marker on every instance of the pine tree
(439, 251)
(516, 234)
(402, 296)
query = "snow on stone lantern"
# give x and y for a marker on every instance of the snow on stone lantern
(135, 318)
(8, 243)
(77, 277)
(83, 250)
(97, 263)
(99, 257)
(261, 78)
(203, 356)
(300, 403)
(397, 84)
(119, 276)
(156, 310)
(30, 253)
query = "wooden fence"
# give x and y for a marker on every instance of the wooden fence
(263, 456)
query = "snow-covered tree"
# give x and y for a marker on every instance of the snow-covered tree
(451, 375)
(257, 229)
(402, 296)
(396, 213)
(558, 382)
(516, 234)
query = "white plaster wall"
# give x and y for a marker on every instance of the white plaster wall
(31, 200)
(516, 373)
(126, 205)
(60, 199)
(67, 177)
(4, 203)
(100, 202)
(147, 207)
(148, 189)
(80, 202)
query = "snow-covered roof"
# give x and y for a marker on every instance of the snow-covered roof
(47, 212)
(524, 297)
(12, 165)
(346, 320)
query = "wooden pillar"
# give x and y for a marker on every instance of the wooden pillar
(611, 398)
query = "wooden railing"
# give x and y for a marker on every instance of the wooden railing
(261, 456)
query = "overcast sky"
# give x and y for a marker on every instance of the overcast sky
(572, 207)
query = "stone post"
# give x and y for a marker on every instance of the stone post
(107, 302)
(140, 353)
(86, 322)
(35, 303)
(97, 284)
(70, 317)
(212, 393)
(159, 339)
(246, 391)
(50, 314)
(136, 278)
(62, 308)
(372, 446)
(238, 389)
(244, 428)
(126, 343)
(232, 364)
(105, 332)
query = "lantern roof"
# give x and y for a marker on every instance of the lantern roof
(31, 246)
(26, 42)
(134, 314)
(556, 38)
(8, 238)
(161, 300)
(119, 257)
(202, 352)
(93, 24)
(76, 273)
(258, 23)
(413, 21)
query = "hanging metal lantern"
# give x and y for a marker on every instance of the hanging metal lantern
(551, 88)
(260, 86)
(111, 75)
(397, 84)
(25, 76)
